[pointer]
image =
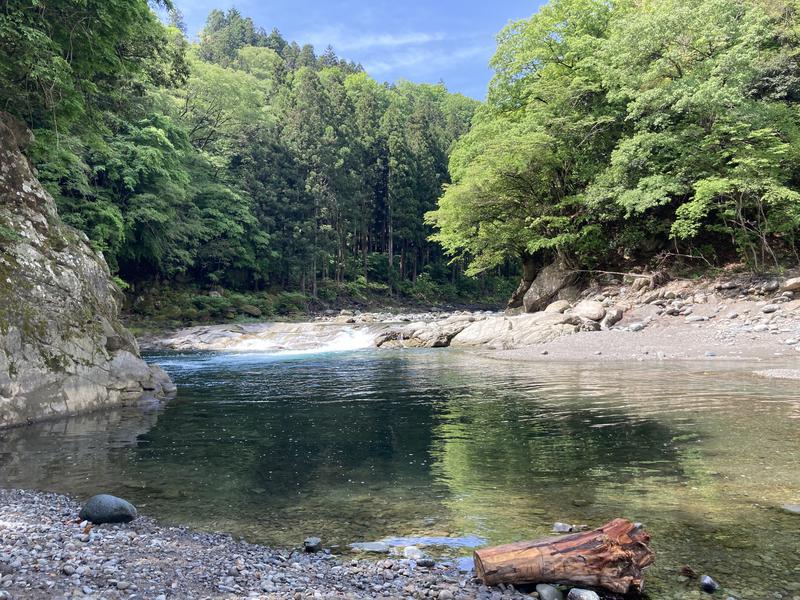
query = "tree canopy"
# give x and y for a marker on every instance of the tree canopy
(616, 129)
(245, 160)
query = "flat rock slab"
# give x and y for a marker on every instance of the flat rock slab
(377, 547)
(792, 508)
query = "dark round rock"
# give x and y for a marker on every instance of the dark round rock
(312, 544)
(105, 508)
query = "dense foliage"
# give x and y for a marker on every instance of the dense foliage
(617, 130)
(243, 161)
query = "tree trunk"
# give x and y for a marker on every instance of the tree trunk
(611, 557)
(529, 272)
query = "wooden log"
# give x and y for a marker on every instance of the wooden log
(611, 557)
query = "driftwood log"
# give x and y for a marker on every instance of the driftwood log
(611, 557)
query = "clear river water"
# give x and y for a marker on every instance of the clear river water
(368, 445)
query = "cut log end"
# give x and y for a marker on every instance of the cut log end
(612, 557)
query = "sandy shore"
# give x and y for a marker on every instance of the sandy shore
(46, 553)
(709, 341)
(731, 331)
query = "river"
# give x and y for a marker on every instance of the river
(362, 445)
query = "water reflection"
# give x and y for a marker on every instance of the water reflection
(443, 445)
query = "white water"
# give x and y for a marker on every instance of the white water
(306, 342)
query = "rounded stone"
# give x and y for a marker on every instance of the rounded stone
(708, 585)
(312, 544)
(591, 310)
(579, 594)
(559, 306)
(549, 592)
(105, 508)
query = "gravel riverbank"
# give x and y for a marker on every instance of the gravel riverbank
(45, 553)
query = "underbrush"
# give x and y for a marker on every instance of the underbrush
(165, 305)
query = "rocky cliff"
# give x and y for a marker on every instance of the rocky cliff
(62, 347)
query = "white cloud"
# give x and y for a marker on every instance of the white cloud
(347, 42)
(425, 60)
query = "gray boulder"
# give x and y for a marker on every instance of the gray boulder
(250, 310)
(312, 544)
(590, 309)
(376, 547)
(517, 332)
(613, 316)
(579, 594)
(559, 306)
(548, 283)
(791, 285)
(105, 508)
(549, 592)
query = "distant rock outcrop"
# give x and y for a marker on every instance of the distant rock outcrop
(554, 282)
(63, 349)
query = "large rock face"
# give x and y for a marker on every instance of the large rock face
(550, 281)
(517, 331)
(62, 347)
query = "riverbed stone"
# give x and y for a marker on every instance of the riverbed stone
(376, 547)
(312, 544)
(105, 508)
(549, 592)
(580, 594)
(770, 308)
(792, 285)
(613, 316)
(559, 306)
(708, 585)
(591, 310)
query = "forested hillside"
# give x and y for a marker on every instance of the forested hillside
(243, 162)
(615, 135)
(634, 133)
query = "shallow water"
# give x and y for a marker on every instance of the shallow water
(438, 444)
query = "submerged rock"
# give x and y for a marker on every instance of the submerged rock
(105, 508)
(312, 544)
(63, 349)
(377, 547)
(708, 585)
(413, 553)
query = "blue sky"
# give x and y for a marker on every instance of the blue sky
(418, 40)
